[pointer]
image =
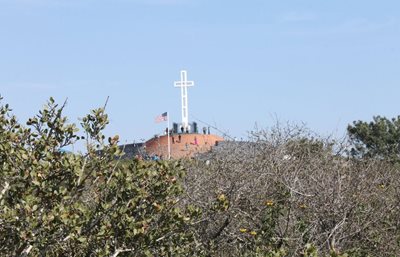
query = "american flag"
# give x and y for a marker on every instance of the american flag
(162, 117)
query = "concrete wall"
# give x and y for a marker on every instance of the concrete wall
(131, 150)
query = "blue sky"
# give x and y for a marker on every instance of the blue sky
(324, 63)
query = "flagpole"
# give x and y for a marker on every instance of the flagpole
(169, 143)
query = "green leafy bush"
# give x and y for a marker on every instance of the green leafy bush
(54, 203)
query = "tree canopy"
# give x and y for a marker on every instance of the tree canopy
(379, 138)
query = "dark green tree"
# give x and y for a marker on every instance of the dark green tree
(376, 139)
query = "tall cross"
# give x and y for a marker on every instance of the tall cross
(184, 84)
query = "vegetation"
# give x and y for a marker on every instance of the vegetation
(285, 192)
(58, 204)
(288, 194)
(379, 138)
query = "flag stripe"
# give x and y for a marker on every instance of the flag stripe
(162, 117)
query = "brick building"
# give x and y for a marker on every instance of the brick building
(182, 145)
(183, 140)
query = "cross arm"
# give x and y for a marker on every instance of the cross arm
(183, 84)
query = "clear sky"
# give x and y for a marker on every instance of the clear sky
(322, 62)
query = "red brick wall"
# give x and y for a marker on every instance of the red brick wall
(185, 148)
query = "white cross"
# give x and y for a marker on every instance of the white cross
(184, 84)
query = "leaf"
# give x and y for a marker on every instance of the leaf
(82, 239)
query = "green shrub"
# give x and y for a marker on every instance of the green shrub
(54, 203)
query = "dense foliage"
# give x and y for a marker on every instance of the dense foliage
(284, 192)
(379, 138)
(54, 203)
